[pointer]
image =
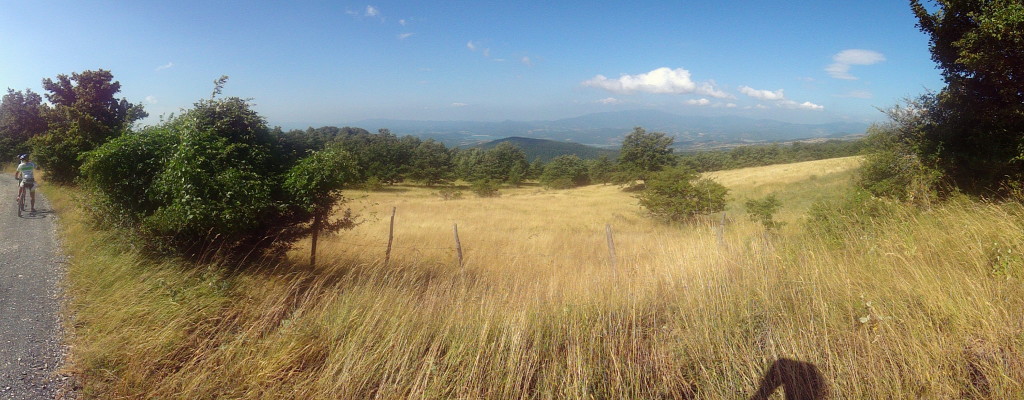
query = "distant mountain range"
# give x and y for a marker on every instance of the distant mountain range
(608, 128)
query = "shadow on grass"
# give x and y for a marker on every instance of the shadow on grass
(800, 381)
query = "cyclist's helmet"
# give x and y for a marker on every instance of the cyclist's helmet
(23, 157)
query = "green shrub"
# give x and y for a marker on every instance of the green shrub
(214, 178)
(677, 194)
(485, 188)
(763, 211)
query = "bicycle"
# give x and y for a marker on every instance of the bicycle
(22, 191)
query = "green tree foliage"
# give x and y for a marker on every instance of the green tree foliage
(601, 170)
(432, 164)
(298, 143)
(644, 153)
(536, 169)
(216, 176)
(85, 113)
(974, 129)
(678, 194)
(505, 163)
(565, 172)
(763, 211)
(21, 118)
(383, 156)
(893, 169)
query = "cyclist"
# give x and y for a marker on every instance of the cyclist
(26, 169)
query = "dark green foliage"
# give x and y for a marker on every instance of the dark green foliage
(893, 169)
(643, 154)
(973, 131)
(383, 155)
(536, 168)
(297, 143)
(432, 164)
(546, 150)
(21, 118)
(485, 188)
(763, 211)
(84, 115)
(123, 170)
(601, 170)
(503, 164)
(313, 185)
(565, 172)
(678, 194)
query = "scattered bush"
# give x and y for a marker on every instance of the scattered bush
(485, 188)
(763, 211)
(449, 193)
(677, 194)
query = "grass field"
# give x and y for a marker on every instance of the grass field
(902, 303)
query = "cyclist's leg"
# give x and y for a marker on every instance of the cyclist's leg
(32, 193)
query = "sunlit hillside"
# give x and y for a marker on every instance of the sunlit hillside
(896, 304)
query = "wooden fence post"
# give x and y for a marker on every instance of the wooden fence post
(721, 231)
(458, 245)
(611, 245)
(391, 236)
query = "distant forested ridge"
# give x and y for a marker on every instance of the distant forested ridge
(546, 150)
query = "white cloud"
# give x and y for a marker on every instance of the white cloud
(809, 106)
(730, 105)
(526, 60)
(761, 107)
(403, 36)
(165, 66)
(151, 99)
(610, 100)
(402, 22)
(762, 94)
(779, 98)
(698, 102)
(661, 80)
(471, 46)
(372, 11)
(487, 52)
(840, 69)
(459, 104)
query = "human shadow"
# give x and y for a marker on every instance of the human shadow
(38, 214)
(800, 381)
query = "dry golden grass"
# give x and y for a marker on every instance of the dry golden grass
(917, 304)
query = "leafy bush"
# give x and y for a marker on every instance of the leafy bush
(214, 176)
(763, 211)
(852, 215)
(893, 169)
(565, 172)
(485, 188)
(677, 194)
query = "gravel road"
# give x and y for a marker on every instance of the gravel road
(31, 269)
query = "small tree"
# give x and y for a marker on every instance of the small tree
(643, 154)
(84, 115)
(314, 185)
(763, 211)
(563, 172)
(432, 164)
(678, 194)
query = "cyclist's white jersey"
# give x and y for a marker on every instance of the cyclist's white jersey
(26, 169)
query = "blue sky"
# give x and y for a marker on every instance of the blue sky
(333, 63)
